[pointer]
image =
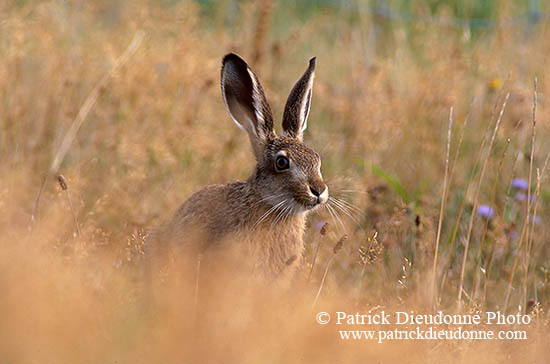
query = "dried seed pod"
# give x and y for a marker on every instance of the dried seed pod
(62, 182)
(291, 259)
(340, 244)
(324, 228)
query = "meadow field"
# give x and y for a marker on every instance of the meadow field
(432, 121)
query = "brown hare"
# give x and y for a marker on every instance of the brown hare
(260, 221)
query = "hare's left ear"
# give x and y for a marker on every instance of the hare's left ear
(298, 103)
(246, 103)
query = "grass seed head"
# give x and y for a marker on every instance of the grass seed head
(324, 228)
(62, 182)
(340, 244)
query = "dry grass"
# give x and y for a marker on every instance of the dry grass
(157, 131)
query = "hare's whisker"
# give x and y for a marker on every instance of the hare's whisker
(335, 215)
(340, 206)
(345, 211)
(332, 214)
(350, 209)
(279, 212)
(291, 210)
(269, 212)
(266, 199)
(282, 212)
(273, 196)
(349, 191)
(348, 204)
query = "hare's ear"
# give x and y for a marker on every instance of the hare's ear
(245, 101)
(297, 105)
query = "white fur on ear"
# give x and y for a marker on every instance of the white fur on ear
(245, 101)
(230, 110)
(298, 104)
(306, 103)
(256, 100)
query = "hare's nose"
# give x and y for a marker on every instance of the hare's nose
(314, 191)
(319, 191)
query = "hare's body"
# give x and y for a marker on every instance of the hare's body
(223, 222)
(258, 223)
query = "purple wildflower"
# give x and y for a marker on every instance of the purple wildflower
(537, 219)
(520, 196)
(486, 211)
(520, 183)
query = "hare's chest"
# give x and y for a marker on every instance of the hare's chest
(275, 251)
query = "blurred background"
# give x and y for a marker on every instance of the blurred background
(123, 100)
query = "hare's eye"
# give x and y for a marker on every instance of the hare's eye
(282, 163)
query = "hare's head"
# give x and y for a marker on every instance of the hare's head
(288, 173)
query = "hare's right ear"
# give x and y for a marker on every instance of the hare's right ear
(298, 103)
(246, 103)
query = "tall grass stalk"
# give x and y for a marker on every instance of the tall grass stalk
(443, 199)
(492, 202)
(34, 215)
(335, 252)
(504, 209)
(476, 200)
(524, 230)
(196, 293)
(90, 102)
(540, 176)
(63, 184)
(317, 244)
(262, 26)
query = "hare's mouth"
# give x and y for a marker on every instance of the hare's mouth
(312, 202)
(292, 204)
(316, 198)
